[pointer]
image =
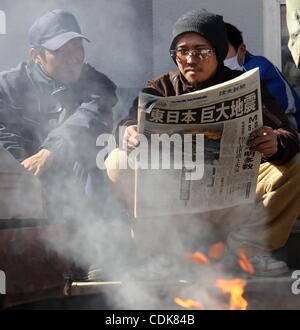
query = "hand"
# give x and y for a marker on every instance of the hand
(38, 163)
(264, 140)
(130, 138)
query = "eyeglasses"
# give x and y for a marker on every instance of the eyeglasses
(183, 53)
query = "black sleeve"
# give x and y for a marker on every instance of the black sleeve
(11, 127)
(131, 118)
(274, 116)
(75, 139)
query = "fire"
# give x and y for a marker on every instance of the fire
(216, 250)
(198, 257)
(235, 288)
(244, 263)
(189, 303)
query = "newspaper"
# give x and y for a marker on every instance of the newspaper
(223, 116)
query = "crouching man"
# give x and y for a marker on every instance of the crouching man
(199, 47)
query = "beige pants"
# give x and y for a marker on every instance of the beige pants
(263, 226)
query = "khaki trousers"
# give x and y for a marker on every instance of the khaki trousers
(262, 226)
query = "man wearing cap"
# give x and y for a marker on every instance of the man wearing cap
(53, 108)
(198, 48)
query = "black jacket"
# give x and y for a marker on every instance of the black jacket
(36, 112)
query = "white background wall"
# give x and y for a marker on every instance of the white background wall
(247, 15)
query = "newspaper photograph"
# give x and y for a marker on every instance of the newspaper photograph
(210, 129)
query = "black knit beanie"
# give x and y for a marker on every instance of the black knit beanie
(210, 26)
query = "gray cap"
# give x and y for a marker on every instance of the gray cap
(210, 26)
(54, 29)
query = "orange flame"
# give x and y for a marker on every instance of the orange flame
(216, 250)
(244, 263)
(235, 288)
(189, 303)
(198, 257)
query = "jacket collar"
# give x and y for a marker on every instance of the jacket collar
(41, 80)
(248, 57)
(51, 94)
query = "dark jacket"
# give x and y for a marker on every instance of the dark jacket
(173, 83)
(36, 112)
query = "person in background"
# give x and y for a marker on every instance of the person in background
(238, 58)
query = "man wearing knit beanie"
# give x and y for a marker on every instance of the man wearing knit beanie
(205, 31)
(208, 25)
(198, 47)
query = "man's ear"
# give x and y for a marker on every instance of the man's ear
(241, 53)
(35, 56)
(242, 48)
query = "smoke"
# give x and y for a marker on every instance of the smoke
(146, 256)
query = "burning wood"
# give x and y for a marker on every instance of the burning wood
(245, 264)
(198, 257)
(216, 250)
(189, 303)
(235, 288)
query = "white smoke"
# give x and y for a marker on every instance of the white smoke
(149, 265)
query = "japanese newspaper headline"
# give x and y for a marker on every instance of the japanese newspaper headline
(221, 119)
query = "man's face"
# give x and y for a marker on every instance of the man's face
(64, 65)
(231, 51)
(240, 53)
(193, 68)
